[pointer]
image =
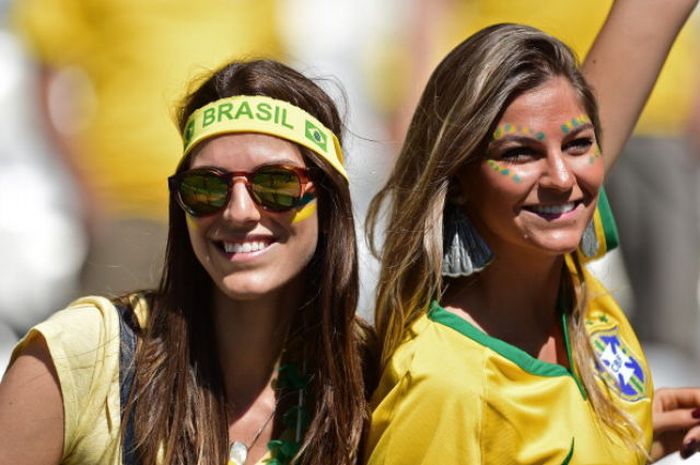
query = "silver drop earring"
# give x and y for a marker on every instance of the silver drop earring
(589, 241)
(599, 239)
(464, 252)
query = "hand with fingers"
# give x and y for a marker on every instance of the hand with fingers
(676, 417)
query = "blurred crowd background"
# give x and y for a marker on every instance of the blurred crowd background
(89, 90)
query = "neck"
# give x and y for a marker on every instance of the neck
(250, 337)
(513, 299)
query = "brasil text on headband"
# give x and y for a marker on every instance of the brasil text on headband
(265, 115)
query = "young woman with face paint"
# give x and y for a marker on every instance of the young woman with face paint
(498, 346)
(249, 351)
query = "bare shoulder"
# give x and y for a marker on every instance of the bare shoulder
(31, 408)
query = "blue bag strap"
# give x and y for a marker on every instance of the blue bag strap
(127, 347)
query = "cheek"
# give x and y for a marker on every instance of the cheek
(590, 172)
(196, 230)
(305, 213)
(507, 180)
(305, 225)
(595, 155)
(503, 172)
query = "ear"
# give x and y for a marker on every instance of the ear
(457, 191)
(308, 195)
(310, 187)
(464, 182)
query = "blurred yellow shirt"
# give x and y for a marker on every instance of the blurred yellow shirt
(140, 57)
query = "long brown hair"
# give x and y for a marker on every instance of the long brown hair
(177, 401)
(450, 130)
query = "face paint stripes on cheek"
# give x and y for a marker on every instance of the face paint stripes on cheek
(191, 222)
(505, 171)
(305, 212)
(595, 155)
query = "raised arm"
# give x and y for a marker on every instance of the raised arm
(625, 60)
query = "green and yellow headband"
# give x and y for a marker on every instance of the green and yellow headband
(265, 115)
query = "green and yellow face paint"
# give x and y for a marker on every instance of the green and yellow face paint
(506, 129)
(503, 170)
(305, 212)
(595, 155)
(575, 122)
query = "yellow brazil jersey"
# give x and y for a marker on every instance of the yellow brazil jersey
(452, 394)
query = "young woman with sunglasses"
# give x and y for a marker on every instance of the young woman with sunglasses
(249, 351)
(498, 346)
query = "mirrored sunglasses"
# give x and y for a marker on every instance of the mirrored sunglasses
(207, 191)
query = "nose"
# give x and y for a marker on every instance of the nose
(557, 174)
(241, 208)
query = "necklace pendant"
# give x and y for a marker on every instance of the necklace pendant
(237, 453)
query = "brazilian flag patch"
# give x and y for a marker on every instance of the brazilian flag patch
(189, 131)
(617, 366)
(316, 136)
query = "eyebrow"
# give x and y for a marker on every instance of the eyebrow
(524, 137)
(505, 130)
(283, 161)
(575, 122)
(579, 128)
(515, 138)
(274, 162)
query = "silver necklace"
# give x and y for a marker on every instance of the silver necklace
(238, 450)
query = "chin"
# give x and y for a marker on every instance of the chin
(241, 295)
(555, 242)
(557, 247)
(242, 292)
(249, 288)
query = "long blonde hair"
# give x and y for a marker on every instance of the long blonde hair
(460, 106)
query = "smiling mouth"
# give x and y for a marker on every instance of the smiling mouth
(552, 211)
(243, 246)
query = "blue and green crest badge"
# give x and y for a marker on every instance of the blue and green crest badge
(618, 367)
(315, 135)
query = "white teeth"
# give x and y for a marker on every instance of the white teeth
(236, 247)
(553, 209)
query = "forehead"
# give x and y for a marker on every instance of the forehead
(246, 150)
(546, 106)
